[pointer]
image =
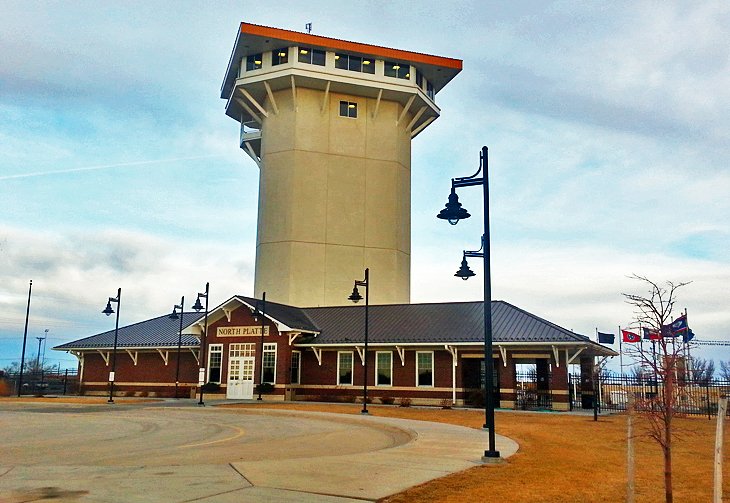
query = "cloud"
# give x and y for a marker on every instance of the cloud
(74, 273)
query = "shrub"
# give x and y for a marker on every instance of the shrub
(476, 398)
(446, 403)
(211, 387)
(143, 393)
(347, 399)
(129, 393)
(264, 388)
(404, 402)
(387, 400)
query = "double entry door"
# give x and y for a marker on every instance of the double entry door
(240, 377)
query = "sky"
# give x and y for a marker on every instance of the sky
(608, 129)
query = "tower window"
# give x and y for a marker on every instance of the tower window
(348, 109)
(429, 90)
(280, 56)
(354, 63)
(254, 62)
(397, 70)
(311, 56)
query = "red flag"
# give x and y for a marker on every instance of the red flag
(630, 336)
(652, 334)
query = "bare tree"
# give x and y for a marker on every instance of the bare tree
(702, 371)
(654, 310)
(725, 370)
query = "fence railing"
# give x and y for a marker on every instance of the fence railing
(613, 392)
(65, 382)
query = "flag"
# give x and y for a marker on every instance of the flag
(651, 334)
(606, 338)
(630, 336)
(679, 325)
(676, 328)
(688, 335)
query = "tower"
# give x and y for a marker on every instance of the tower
(330, 123)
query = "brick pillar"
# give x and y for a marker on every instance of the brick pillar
(586, 382)
(508, 393)
(560, 384)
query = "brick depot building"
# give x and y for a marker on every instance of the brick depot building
(429, 353)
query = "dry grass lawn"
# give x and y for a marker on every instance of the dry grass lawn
(562, 458)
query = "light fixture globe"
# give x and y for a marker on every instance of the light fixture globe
(464, 272)
(197, 306)
(453, 212)
(355, 295)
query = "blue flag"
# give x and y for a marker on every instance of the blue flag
(606, 338)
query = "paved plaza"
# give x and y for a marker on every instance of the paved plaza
(176, 451)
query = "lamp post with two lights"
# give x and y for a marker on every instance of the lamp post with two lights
(453, 212)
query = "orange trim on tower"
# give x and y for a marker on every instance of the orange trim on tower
(344, 45)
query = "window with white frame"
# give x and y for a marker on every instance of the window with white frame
(241, 349)
(348, 109)
(254, 62)
(354, 63)
(296, 367)
(424, 368)
(344, 367)
(215, 360)
(311, 56)
(384, 368)
(269, 367)
(397, 70)
(280, 56)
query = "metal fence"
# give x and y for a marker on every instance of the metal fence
(65, 382)
(533, 392)
(692, 398)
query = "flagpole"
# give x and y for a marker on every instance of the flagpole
(621, 351)
(688, 357)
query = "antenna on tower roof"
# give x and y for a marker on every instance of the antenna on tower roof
(308, 27)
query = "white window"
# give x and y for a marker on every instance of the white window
(344, 367)
(348, 109)
(311, 56)
(269, 367)
(215, 360)
(397, 70)
(280, 56)
(296, 367)
(424, 368)
(236, 350)
(254, 62)
(384, 368)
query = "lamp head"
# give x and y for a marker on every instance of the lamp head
(108, 310)
(453, 212)
(173, 315)
(464, 272)
(355, 295)
(197, 306)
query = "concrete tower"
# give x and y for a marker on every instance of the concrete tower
(330, 123)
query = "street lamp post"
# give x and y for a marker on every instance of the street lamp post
(25, 339)
(201, 371)
(262, 314)
(453, 212)
(108, 311)
(174, 316)
(356, 297)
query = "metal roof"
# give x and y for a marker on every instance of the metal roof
(454, 322)
(293, 317)
(408, 324)
(155, 333)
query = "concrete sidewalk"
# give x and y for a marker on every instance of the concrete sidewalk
(177, 453)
